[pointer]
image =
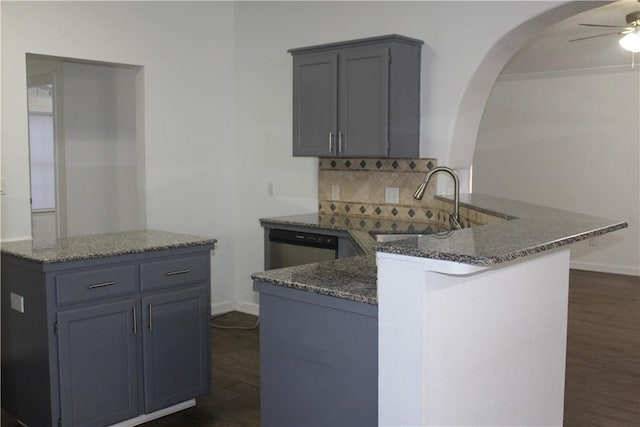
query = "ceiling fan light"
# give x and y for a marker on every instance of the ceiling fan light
(631, 42)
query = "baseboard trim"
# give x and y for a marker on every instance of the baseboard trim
(605, 268)
(155, 415)
(244, 307)
(221, 308)
(249, 308)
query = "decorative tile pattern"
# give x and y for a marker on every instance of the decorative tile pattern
(362, 185)
(389, 165)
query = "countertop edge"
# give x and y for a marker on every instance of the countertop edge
(490, 260)
(48, 256)
(314, 289)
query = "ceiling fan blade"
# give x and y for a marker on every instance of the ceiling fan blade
(592, 37)
(602, 25)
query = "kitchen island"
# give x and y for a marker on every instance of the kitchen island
(471, 324)
(106, 328)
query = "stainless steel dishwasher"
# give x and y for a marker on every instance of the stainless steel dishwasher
(288, 248)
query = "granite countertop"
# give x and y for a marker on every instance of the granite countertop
(100, 245)
(534, 229)
(347, 278)
(528, 229)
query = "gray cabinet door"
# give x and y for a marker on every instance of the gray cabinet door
(318, 360)
(97, 348)
(358, 98)
(364, 102)
(175, 346)
(315, 91)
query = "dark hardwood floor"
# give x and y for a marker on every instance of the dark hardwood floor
(603, 362)
(235, 399)
(602, 386)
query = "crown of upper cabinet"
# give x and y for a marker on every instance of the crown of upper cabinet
(357, 42)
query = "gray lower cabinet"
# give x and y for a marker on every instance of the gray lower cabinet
(104, 340)
(359, 98)
(318, 360)
(98, 363)
(175, 343)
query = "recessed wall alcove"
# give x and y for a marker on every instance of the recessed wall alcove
(86, 147)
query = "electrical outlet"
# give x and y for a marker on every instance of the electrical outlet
(17, 302)
(270, 189)
(392, 195)
(335, 192)
(2, 185)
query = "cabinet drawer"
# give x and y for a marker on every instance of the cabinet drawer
(174, 271)
(88, 285)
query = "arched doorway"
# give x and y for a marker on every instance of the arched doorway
(475, 97)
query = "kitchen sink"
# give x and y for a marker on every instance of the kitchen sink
(392, 237)
(382, 237)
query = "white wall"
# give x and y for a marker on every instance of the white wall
(217, 100)
(457, 36)
(100, 158)
(186, 49)
(569, 140)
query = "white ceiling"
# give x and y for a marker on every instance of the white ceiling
(552, 51)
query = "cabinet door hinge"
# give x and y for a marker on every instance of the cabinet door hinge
(55, 332)
(389, 59)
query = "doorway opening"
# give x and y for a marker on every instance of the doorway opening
(86, 146)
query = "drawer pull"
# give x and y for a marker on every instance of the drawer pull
(150, 319)
(135, 322)
(100, 285)
(175, 273)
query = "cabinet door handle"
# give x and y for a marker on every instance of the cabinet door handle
(330, 142)
(135, 322)
(175, 273)
(150, 319)
(100, 285)
(339, 142)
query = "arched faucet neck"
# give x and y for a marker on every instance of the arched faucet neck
(455, 215)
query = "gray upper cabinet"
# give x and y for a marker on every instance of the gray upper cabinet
(359, 98)
(315, 93)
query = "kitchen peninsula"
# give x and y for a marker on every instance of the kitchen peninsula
(469, 326)
(106, 328)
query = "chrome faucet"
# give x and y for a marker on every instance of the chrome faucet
(454, 217)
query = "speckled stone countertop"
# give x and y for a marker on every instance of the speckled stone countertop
(528, 229)
(347, 278)
(535, 229)
(100, 245)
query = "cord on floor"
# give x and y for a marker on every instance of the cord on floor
(245, 328)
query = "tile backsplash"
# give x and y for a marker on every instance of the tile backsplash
(360, 186)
